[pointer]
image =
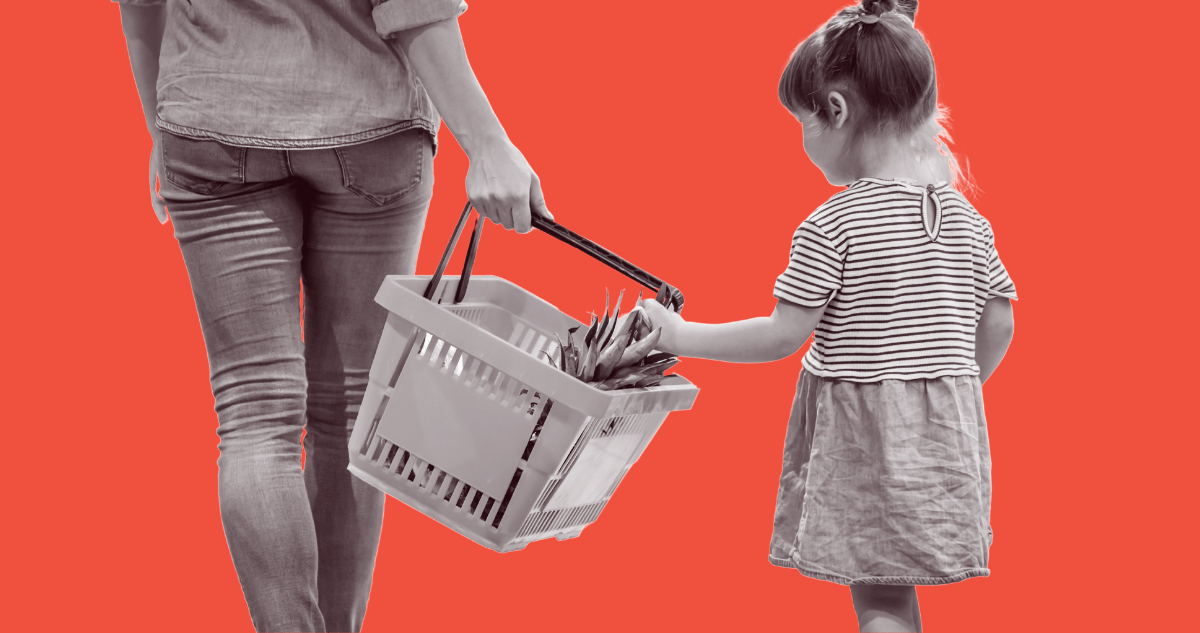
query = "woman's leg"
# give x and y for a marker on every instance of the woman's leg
(242, 245)
(886, 607)
(352, 241)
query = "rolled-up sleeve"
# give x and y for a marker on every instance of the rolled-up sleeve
(393, 16)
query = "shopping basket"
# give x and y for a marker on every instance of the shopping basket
(465, 420)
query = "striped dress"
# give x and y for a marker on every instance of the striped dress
(886, 469)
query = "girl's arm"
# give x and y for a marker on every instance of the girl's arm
(500, 183)
(757, 340)
(143, 26)
(992, 335)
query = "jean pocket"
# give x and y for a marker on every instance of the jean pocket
(201, 167)
(385, 169)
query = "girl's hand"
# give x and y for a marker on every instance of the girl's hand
(669, 321)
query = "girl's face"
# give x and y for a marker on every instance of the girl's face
(825, 145)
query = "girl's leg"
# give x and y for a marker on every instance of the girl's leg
(886, 607)
(352, 242)
(241, 244)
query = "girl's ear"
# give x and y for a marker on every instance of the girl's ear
(838, 110)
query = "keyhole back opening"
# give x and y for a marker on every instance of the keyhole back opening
(931, 212)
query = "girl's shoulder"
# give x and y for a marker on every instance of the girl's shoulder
(954, 202)
(869, 201)
(865, 197)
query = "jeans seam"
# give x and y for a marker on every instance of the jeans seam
(347, 182)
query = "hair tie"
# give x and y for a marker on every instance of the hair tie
(868, 18)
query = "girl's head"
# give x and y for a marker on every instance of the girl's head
(867, 76)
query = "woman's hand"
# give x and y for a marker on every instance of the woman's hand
(156, 200)
(503, 187)
(670, 322)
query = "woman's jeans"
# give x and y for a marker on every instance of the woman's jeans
(256, 226)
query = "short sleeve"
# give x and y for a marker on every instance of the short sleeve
(814, 271)
(393, 16)
(999, 283)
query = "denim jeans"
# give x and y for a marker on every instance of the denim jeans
(255, 227)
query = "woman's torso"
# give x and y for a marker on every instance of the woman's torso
(281, 74)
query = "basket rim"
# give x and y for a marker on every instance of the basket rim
(433, 317)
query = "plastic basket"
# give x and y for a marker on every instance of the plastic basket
(466, 421)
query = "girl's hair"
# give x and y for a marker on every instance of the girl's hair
(873, 54)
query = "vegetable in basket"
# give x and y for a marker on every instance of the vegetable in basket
(616, 351)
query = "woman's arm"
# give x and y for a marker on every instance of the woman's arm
(757, 340)
(993, 333)
(143, 26)
(499, 182)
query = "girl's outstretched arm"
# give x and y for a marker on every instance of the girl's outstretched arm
(757, 340)
(992, 335)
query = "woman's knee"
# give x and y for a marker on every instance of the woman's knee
(260, 412)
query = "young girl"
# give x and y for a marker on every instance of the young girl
(886, 470)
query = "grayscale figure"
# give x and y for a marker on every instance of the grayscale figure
(294, 144)
(886, 479)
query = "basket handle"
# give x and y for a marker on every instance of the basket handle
(668, 295)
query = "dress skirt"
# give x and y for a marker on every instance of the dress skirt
(886, 482)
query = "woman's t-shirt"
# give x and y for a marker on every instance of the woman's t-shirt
(292, 75)
(903, 297)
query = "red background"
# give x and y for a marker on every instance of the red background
(656, 131)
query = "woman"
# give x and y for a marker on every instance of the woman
(293, 145)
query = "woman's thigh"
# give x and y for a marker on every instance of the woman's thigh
(364, 215)
(242, 243)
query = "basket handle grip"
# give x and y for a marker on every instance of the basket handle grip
(668, 295)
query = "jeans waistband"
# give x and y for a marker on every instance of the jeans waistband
(311, 143)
